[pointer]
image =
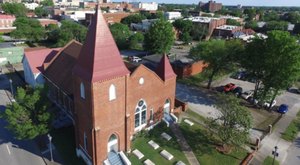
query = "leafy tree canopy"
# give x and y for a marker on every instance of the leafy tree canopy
(293, 17)
(47, 3)
(121, 33)
(17, 9)
(69, 30)
(219, 54)
(160, 37)
(31, 29)
(136, 41)
(134, 18)
(234, 122)
(41, 12)
(276, 25)
(183, 25)
(28, 117)
(233, 22)
(251, 24)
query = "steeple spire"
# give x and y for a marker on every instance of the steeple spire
(164, 69)
(99, 58)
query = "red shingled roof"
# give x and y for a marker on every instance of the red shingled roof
(99, 58)
(164, 69)
(37, 58)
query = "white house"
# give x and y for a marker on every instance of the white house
(148, 6)
(172, 15)
(33, 64)
(31, 6)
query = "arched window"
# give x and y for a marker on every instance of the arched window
(140, 114)
(82, 91)
(167, 106)
(112, 92)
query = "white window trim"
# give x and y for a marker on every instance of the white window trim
(141, 126)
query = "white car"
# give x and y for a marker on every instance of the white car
(267, 104)
(246, 95)
(135, 59)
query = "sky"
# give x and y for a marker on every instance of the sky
(231, 2)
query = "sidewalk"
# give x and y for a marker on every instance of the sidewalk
(274, 139)
(188, 152)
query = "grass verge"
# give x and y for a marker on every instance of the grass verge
(204, 147)
(141, 143)
(64, 141)
(292, 130)
(269, 161)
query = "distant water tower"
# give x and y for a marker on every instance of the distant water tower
(239, 6)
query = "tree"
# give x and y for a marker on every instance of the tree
(233, 22)
(160, 37)
(30, 29)
(121, 34)
(271, 16)
(183, 25)
(47, 3)
(250, 13)
(69, 30)
(198, 32)
(218, 54)
(297, 28)
(136, 41)
(276, 25)
(251, 24)
(41, 12)
(234, 122)
(282, 63)
(134, 18)
(184, 28)
(17, 9)
(28, 117)
(293, 17)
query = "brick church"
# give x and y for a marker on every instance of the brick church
(108, 99)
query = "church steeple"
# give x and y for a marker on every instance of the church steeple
(99, 58)
(164, 69)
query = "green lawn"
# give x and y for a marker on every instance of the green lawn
(141, 143)
(292, 130)
(269, 161)
(64, 141)
(205, 149)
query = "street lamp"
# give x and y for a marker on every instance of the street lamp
(11, 88)
(275, 153)
(50, 138)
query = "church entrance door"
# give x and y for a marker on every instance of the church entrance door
(112, 144)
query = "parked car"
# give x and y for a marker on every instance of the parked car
(233, 88)
(135, 59)
(229, 87)
(264, 104)
(246, 95)
(283, 108)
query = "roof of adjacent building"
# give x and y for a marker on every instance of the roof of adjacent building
(164, 69)
(36, 58)
(59, 69)
(99, 59)
(5, 16)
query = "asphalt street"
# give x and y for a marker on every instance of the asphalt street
(12, 151)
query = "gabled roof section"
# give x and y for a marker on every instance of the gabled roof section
(60, 68)
(99, 59)
(164, 69)
(36, 58)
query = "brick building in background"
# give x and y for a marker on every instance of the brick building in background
(6, 23)
(210, 6)
(108, 100)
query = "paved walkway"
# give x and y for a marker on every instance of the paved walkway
(274, 139)
(188, 152)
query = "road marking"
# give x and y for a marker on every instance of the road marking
(8, 149)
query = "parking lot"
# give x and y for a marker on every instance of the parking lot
(202, 101)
